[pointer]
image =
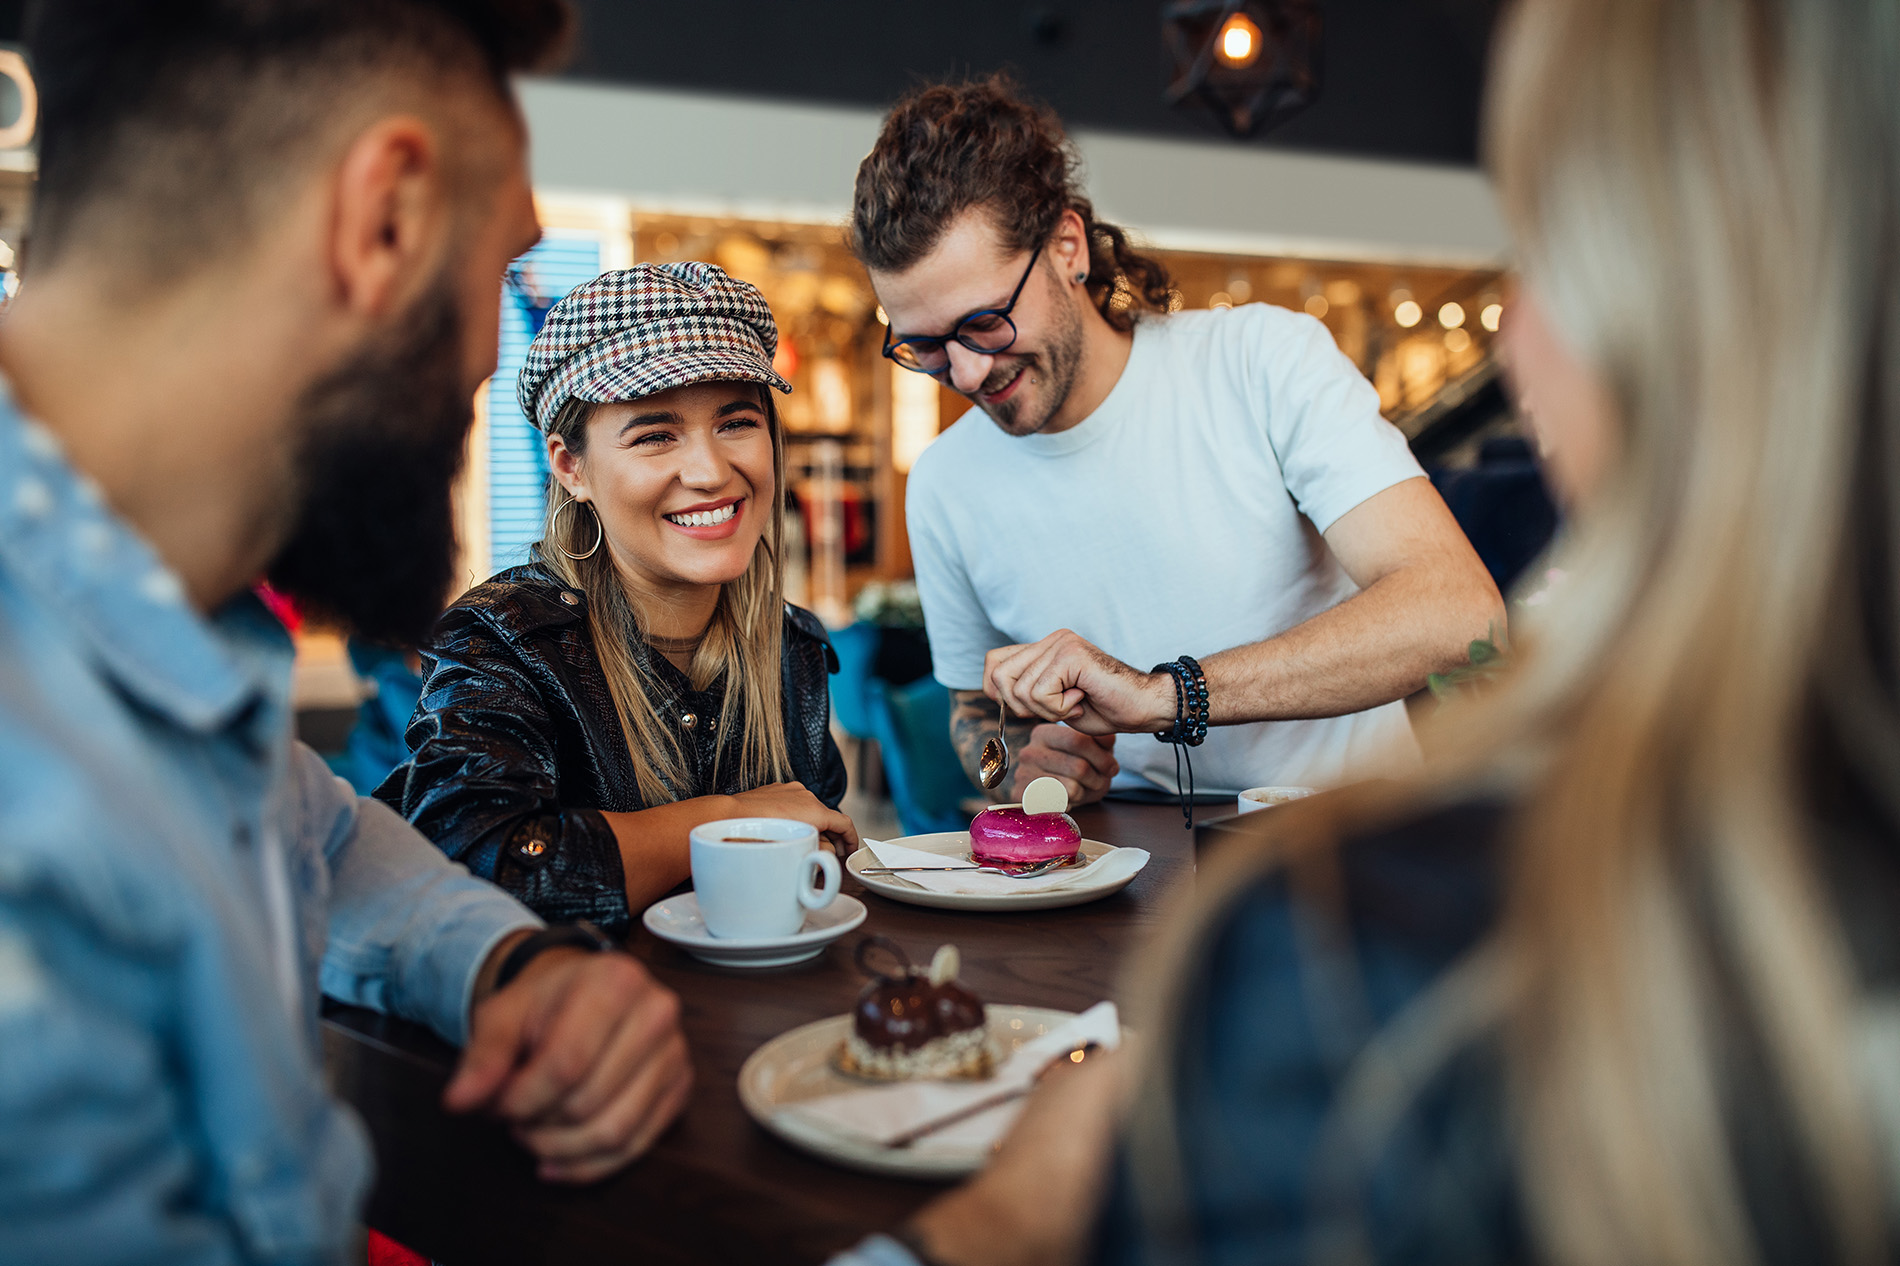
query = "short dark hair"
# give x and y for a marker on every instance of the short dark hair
(183, 110)
(947, 148)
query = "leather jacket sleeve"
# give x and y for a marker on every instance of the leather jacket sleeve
(482, 781)
(808, 662)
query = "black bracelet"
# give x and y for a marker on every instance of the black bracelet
(1190, 725)
(1190, 702)
(581, 935)
(1195, 685)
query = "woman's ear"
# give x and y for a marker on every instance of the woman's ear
(566, 465)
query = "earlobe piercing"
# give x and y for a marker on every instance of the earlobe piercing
(1080, 278)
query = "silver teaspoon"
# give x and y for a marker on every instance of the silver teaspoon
(994, 763)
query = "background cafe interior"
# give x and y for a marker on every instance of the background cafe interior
(638, 157)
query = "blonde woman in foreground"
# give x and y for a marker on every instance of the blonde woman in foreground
(1619, 984)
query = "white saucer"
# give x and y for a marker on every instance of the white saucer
(677, 919)
(955, 846)
(797, 1066)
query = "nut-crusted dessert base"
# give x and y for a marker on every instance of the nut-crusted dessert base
(963, 1056)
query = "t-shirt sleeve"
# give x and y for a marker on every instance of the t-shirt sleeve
(959, 630)
(1335, 449)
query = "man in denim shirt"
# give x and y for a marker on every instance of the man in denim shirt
(263, 288)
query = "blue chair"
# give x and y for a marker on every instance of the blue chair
(1503, 507)
(375, 746)
(856, 645)
(911, 724)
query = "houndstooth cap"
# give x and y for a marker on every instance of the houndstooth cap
(640, 330)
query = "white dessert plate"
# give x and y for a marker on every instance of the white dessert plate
(795, 1067)
(954, 846)
(677, 919)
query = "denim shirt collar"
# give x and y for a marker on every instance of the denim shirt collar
(61, 541)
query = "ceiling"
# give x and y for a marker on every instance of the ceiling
(1399, 78)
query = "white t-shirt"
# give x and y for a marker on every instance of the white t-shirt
(1183, 516)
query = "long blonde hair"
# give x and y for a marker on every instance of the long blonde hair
(1704, 196)
(745, 640)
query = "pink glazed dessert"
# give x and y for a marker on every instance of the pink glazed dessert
(1006, 836)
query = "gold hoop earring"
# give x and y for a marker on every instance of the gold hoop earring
(600, 531)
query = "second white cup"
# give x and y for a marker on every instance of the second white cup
(1266, 797)
(755, 877)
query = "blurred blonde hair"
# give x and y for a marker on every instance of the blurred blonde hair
(1703, 194)
(744, 641)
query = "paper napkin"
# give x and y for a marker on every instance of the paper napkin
(1116, 864)
(878, 1114)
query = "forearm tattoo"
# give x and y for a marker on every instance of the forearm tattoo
(973, 723)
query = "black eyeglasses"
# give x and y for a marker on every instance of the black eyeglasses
(989, 331)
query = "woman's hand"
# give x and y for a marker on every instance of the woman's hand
(1034, 1203)
(791, 800)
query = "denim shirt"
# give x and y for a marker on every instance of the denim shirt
(179, 880)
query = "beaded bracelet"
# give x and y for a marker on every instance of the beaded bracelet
(1189, 730)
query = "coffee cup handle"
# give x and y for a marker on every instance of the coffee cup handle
(818, 898)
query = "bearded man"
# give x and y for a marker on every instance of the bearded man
(1136, 485)
(262, 287)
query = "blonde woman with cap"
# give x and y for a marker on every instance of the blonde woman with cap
(643, 674)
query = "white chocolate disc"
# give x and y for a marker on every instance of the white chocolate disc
(1045, 795)
(944, 964)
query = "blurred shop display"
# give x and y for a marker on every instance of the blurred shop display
(19, 160)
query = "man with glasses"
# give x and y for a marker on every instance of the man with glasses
(1216, 485)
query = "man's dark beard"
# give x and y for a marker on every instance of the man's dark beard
(1055, 367)
(372, 549)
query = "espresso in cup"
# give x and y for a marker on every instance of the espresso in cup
(1266, 797)
(755, 878)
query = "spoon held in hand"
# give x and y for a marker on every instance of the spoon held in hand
(993, 766)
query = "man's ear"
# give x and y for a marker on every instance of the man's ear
(390, 208)
(1070, 245)
(566, 465)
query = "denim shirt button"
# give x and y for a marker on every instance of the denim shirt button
(570, 598)
(531, 848)
(689, 719)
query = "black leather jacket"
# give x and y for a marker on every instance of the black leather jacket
(516, 748)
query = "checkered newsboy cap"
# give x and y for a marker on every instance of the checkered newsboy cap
(640, 330)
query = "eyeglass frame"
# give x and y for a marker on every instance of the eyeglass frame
(956, 336)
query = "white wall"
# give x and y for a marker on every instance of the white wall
(690, 153)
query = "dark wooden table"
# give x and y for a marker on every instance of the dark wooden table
(718, 1188)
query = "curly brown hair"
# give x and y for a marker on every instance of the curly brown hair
(946, 148)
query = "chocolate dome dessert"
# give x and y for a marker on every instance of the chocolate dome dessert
(914, 1024)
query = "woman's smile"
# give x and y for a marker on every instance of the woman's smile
(710, 521)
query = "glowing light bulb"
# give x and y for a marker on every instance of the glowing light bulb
(1491, 317)
(1451, 316)
(1220, 299)
(1316, 305)
(1456, 340)
(1238, 43)
(1408, 313)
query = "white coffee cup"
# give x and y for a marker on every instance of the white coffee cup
(755, 877)
(1266, 797)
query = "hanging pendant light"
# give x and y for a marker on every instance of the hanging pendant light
(1251, 63)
